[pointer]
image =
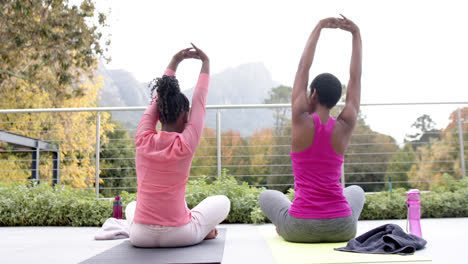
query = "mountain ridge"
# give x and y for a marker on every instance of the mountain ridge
(245, 84)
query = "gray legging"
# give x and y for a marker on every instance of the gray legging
(275, 206)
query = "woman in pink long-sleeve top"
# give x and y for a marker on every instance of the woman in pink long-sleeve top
(160, 217)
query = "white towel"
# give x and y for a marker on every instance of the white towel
(113, 229)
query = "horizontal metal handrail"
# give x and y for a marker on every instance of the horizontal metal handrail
(239, 106)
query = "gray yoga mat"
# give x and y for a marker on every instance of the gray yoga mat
(208, 251)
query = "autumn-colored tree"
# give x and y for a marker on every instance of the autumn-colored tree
(204, 162)
(280, 172)
(235, 154)
(281, 175)
(49, 43)
(440, 156)
(48, 54)
(260, 151)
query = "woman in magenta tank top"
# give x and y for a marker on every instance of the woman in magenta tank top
(322, 211)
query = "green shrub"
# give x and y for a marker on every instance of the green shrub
(244, 199)
(42, 205)
(383, 206)
(448, 200)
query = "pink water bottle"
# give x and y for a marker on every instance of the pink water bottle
(414, 212)
(117, 211)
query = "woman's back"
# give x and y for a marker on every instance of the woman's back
(162, 177)
(163, 161)
(317, 173)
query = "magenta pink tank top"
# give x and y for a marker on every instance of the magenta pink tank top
(317, 174)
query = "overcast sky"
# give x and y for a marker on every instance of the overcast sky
(413, 51)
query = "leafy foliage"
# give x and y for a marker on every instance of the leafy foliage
(425, 127)
(48, 36)
(60, 205)
(117, 162)
(281, 175)
(399, 166)
(450, 200)
(362, 164)
(280, 95)
(244, 199)
(48, 54)
(205, 155)
(43, 205)
(440, 156)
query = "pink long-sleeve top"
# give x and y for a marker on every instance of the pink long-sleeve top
(163, 161)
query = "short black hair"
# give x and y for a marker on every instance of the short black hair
(328, 89)
(171, 101)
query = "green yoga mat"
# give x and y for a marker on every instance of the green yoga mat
(302, 253)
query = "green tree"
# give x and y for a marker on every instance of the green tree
(399, 166)
(280, 174)
(48, 54)
(425, 131)
(280, 95)
(117, 162)
(365, 159)
(49, 36)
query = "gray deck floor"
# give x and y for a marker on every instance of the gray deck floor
(447, 243)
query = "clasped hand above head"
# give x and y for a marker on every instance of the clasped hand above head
(341, 23)
(190, 53)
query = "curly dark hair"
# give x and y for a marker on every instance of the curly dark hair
(171, 101)
(328, 89)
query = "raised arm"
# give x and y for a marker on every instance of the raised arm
(151, 116)
(193, 131)
(353, 94)
(199, 54)
(299, 99)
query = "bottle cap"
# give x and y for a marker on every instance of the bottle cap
(413, 191)
(413, 195)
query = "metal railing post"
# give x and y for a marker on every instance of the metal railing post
(462, 146)
(98, 149)
(343, 183)
(218, 140)
(35, 164)
(56, 171)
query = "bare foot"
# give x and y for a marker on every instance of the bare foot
(213, 234)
